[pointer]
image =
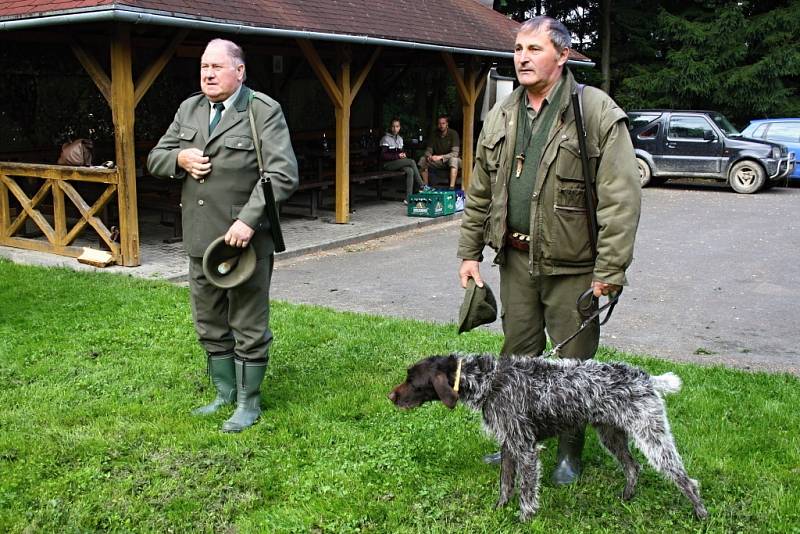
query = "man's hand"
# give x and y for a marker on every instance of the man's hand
(239, 234)
(402, 155)
(194, 162)
(470, 269)
(601, 288)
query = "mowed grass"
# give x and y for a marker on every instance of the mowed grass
(99, 374)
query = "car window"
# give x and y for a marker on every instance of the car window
(759, 132)
(649, 133)
(688, 128)
(723, 124)
(640, 119)
(788, 132)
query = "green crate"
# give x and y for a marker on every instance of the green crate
(432, 204)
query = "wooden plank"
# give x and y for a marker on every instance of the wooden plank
(60, 172)
(59, 214)
(29, 207)
(93, 68)
(5, 207)
(364, 73)
(334, 92)
(122, 112)
(149, 76)
(40, 246)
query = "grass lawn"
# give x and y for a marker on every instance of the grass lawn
(99, 373)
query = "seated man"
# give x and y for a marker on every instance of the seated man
(395, 159)
(442, 152)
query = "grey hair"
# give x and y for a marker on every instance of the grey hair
(559, 34)
(234, 50)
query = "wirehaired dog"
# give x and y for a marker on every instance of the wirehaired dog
(525, 400)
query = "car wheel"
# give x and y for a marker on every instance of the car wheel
(746, 177)
(645, 176)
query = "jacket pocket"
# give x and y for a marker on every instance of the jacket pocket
(568, 161)
(186, 135)
(239, 142)
(570, 239)
(492, 144)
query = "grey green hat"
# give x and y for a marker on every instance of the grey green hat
(479, 307)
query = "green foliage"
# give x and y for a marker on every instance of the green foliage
(100, 372)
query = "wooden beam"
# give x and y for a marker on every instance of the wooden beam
(147, 78)
(343, 146)
(122, 112)
(5, 207)
(93, 68)
(364, 73)
(334, 92)
(88, 216)
(59, 172)
(451, 67)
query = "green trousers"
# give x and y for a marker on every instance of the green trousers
(232, 320)
(533, 305)
(408, 166)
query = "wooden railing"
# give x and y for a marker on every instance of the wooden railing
(56, 180)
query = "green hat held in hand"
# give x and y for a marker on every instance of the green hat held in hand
(479, 307)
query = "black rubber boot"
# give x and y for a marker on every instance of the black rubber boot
(223, 376)
(568, 463)
(249, 375)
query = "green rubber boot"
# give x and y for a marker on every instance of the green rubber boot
(568, 462)
(223, 376)
(249, 375)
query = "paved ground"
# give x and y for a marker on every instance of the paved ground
(714, 279)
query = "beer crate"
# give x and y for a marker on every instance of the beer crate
(432, 204)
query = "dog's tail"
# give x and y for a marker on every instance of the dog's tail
(666, 383)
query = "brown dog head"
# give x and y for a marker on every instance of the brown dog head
(427, 380)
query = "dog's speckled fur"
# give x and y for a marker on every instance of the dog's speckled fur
(525, 400)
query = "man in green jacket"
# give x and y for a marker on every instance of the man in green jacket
(210, 147)
(527, 201)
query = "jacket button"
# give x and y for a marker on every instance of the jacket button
(238, 144)
(535, 194)
(181, 134)
(200, 202)
(202, 180)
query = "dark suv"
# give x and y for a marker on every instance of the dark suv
(703, 144)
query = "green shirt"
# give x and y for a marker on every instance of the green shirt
(534, 128)
(444, 145)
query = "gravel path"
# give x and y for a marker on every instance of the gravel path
(712, 281)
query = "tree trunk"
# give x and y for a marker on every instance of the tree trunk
(605, 57)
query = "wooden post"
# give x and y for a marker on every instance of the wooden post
(343, 140)
(469, 87)
(342, 94)
(122, 112)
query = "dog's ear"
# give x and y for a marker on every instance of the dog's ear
(444, 391)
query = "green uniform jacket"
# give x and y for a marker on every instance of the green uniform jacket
(232, 190)
(559, 231)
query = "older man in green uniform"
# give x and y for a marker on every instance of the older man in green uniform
(527, 201)
(210, 147)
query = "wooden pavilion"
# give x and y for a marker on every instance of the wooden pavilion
(124, 46)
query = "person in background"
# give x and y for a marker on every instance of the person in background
(442, 152)
(394, 158)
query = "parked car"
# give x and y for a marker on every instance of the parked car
(783, 131)
(704, 144)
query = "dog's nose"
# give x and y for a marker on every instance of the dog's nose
(392, 396)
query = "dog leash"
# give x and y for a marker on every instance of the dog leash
(458, 376)
(584, 305)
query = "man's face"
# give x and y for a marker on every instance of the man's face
(537, 62)
(395, 128)
(219, 76)
(442, 125)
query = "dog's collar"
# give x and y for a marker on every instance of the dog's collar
(458, 376)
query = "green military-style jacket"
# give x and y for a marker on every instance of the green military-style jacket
(232, 190)
(559, 230)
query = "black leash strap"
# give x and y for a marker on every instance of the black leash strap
(266, 186)
(584, 304)
(591, 215)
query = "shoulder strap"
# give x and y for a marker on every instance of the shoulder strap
(266, 185)
(591, 216)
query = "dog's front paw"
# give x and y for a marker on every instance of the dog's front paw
(526, 514)
(628, 493)
(501, 502)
